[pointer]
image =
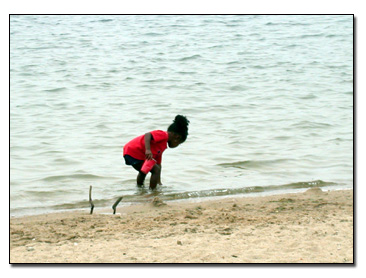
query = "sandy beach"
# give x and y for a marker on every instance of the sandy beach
(311, 227)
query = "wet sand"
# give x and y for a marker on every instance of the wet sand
(309, 227)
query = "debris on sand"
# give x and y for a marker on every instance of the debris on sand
(157, 202)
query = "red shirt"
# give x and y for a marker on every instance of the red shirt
(158, 144)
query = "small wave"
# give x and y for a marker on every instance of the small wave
(246, 190)
(102, 126)
(44, 194)
(239, 88)
(227, 191)
(311, 36)
(52, 152)
(83, 86)
(65, 161)
(199, 83)
(233, 63)
(190, 57)
(154, 80)
(287, 24)
(282, 138)
(105, 20)
(114, 71)
(311, 125)
(294, 45)
(153, 34)
(216, 46)
(259, 67)
(143, 195)
(26, 73)
(74, 176)
(333, 36)
(309, 96)
(252, 163)
(55, 90)
(187, 72)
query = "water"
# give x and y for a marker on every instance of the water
(270, 100)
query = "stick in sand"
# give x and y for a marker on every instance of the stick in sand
(114, 207)
(90, 200)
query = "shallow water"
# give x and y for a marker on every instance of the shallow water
(270, 100)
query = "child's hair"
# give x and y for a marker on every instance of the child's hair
(180, 126)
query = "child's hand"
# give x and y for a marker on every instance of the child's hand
(148, 155)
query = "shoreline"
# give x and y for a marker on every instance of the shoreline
(108, 208)
(311, 227)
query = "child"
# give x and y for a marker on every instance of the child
(151, 146)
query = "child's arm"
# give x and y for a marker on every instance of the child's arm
(148, 152)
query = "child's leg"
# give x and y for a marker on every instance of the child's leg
(140, 179)
(141, 176)
(155, 176)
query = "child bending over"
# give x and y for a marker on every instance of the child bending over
(144, 153)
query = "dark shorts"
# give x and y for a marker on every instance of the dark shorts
(132, 161)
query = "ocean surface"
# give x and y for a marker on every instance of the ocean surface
(269, 99)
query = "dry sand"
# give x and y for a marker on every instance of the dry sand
(309, 227)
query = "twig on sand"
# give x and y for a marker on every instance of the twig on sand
(90, 200)
(114, 207)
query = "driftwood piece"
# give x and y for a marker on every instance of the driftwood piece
(90, 200)
(114, 207)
